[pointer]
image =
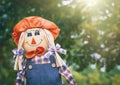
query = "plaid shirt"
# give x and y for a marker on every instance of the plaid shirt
(64, 70)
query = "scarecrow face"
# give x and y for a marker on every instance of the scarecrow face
(34, 38)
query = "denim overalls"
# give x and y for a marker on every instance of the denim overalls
(43, 74)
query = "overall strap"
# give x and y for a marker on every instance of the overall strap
(52, 59)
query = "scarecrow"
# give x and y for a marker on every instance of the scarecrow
(35, 36)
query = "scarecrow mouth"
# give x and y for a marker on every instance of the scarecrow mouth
(33, 45)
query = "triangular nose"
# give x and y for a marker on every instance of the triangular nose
(33, 41)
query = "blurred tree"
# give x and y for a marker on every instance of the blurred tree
(97, 38)
(89, 30)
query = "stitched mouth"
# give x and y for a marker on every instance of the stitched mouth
(33, 45)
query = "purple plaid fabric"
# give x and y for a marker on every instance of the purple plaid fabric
(57, 48)
(21, 75)
(43, 59)
(65, 71)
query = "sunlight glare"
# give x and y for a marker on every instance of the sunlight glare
(66, 2)
(90, 3)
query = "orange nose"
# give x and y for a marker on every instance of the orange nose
(33, 41)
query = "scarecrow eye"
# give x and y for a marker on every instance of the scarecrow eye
(37, 32)
(29, 34)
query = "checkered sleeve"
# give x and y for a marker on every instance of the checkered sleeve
(21, 75)
(65, 71)
(20, 78)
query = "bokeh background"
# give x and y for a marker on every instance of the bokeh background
(90, 31)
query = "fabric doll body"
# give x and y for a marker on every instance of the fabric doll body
(44, 71)
(43, 65)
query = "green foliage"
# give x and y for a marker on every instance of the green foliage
(89, 31)
(95, 77)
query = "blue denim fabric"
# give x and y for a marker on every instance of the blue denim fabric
(43, 74)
